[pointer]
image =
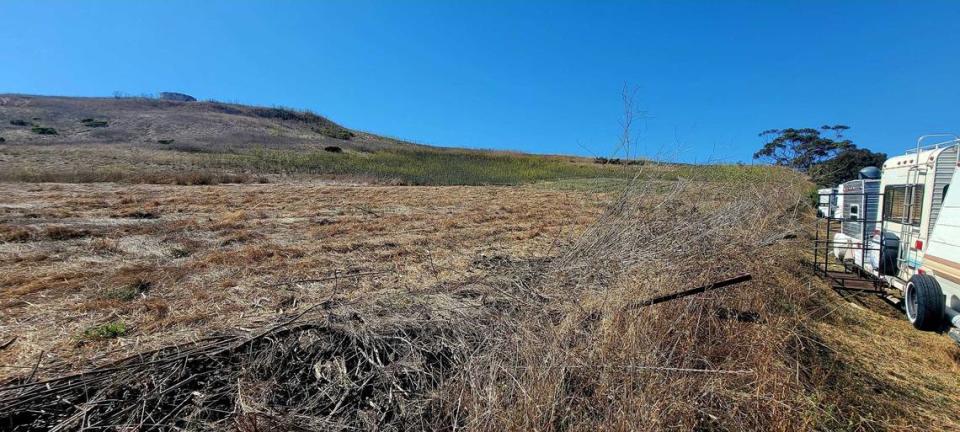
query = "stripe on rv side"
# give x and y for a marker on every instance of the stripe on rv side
(944, 268)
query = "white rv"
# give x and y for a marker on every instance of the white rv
(857, 210)
(916, 243)
(827, 202)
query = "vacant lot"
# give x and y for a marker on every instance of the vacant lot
(485, 307)
(172, 263)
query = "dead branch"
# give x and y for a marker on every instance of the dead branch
(708, 287)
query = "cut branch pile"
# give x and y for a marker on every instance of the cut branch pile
(318, 371)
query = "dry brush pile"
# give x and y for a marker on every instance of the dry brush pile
(556, 343)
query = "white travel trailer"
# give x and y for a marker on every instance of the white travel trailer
(916, 244)
(827, 204)
(857, 210)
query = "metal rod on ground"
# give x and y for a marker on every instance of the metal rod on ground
(712, 286)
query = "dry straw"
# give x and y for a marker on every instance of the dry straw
(548, 344)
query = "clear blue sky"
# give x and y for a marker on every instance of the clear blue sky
(534, 76)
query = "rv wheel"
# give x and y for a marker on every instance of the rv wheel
(923, 301)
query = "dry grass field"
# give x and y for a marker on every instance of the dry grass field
(173, 263)
(524, 292)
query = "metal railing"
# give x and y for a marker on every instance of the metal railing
(825, 264)
(921, 148)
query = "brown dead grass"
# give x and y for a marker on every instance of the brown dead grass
(891, 375)
(531, 286)
(213, 254)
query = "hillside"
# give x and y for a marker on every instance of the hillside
(148, 123)
(143, 140)
(146, 140)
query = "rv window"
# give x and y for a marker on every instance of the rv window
(854, 212)
(893, 197)
(895, 208)
(917, 207)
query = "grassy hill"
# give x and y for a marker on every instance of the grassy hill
(155, 123)
(145, 140)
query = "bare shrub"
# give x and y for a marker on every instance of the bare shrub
(575, 355)
(14, 233)
(60, 232)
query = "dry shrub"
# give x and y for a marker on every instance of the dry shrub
(15, 234)
(105, 246)
(156, 308)
(230, 221)
(139, 213)
(60, 232)
(576, 357)
(240, 236)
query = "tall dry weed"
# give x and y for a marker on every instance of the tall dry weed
(575, 356)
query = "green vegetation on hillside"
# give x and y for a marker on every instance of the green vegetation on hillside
(89, 122)
(40, 130)
(191, 165)
(464, 167)
(418, 167)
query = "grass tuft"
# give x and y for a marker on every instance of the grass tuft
(109, 330)
(128, 292)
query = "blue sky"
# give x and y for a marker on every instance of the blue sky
(535, 76)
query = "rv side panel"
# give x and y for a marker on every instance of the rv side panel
(942, 257)
(860, 209)
(946, 165)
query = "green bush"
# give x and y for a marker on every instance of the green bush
(94, 123)
(165, 141)
(106, 331)
(44, 130)
(20, 123)
(334, 132)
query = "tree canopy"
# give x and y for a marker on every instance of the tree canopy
(827, 160)
(845, 166)
(803, 148)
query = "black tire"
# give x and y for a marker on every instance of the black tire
(923, 302)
